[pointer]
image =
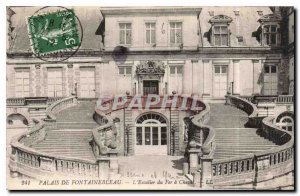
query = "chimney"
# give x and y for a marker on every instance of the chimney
(237, 20)
(260, 13)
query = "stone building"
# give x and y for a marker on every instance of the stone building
(240, 56)
(205, 51)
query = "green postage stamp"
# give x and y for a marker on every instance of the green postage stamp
(53, 32)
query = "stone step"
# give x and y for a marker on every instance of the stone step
(243, 145)
(67, 143)
(256, 138)
(239, 138)
(62, 143)
(242, 140)
(231, 151)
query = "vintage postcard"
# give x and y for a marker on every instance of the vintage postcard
(150, 98)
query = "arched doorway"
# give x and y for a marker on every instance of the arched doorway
(16, 120)
(285, 121)
(151, 134)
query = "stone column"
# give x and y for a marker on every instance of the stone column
(194, 75)
(65, 92)
(140, 86)
(103, 171)
(114, 165)
(207, 82)
(47, 164)
(70, 79)
(257, 77)
(230, 77)
(38, 80)
(193, 157)
(187, 78)
(236, 77)
(206, 168)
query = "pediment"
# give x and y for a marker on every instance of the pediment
(220, 19)
(270, 18)
(150, 67)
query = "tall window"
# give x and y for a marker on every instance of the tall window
(22, 82)
(220, 35)
(125, 33)
(176, 32)
(270, 34)
(54, 82)
(150, 33)
(176, 77)
(270, 80)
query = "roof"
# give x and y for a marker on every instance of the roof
(243, 25)
(89, 17)
(149, 10)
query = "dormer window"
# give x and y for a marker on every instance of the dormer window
(220, 33)
(270, 25)
(270, 34)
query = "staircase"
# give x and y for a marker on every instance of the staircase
(232, 137)
(37, 114)
(67, 143)
(237, 142)
(77, 117)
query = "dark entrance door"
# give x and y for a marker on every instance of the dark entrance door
(150, 87)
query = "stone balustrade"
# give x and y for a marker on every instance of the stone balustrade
(59, 105)
(35, 134)
(255, 169)
(285, 99)
(15, 101)
(22, 101)
(30, 162)
(51, 100)
(104, 137)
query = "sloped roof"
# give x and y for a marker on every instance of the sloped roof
(248, 23)
(89, 17)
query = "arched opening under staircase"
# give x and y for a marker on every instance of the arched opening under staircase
(151, 134)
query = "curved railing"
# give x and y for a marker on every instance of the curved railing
(207, 140)
(255, 168)
(30, 162)
(104, 137)
(59, 105)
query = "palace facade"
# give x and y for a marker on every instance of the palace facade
(218, 54)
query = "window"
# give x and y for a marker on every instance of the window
(150, 33)
(125, 70)
(176, 70)
(55, 82)
(219, 30)
(176, 32)
(22, 82)
(270, 80)
(286, 123)
(270, 34)
(125, 33)
(220, 35)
